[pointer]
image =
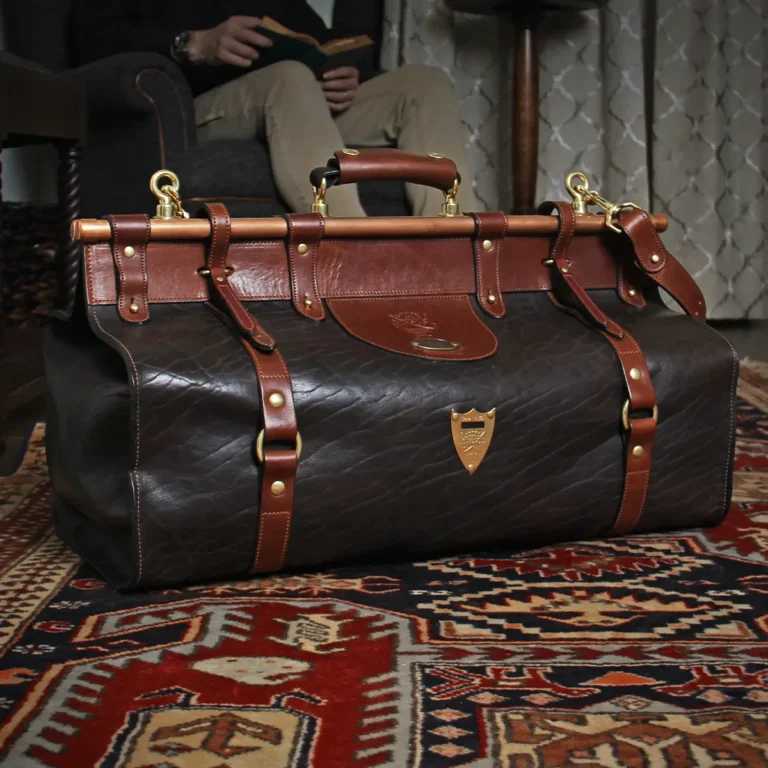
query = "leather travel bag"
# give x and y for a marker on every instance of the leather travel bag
(245, 396)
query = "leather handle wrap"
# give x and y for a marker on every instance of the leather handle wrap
(352, 166)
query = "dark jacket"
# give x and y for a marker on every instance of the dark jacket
(107, 27)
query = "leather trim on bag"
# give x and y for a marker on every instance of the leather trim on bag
(345, 268)
(135, 471)
(406, 324)
(305, 233)
(491, 229)
(130, 234)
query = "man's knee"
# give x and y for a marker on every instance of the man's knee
(426, 80)
(290, 71)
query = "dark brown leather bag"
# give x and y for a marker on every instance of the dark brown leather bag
(242, 396)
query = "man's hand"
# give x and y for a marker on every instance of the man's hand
(232, 42)
(340, 87)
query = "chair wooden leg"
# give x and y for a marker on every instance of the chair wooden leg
(70, 200)
(525, 114)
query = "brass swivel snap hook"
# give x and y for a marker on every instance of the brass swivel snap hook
(169, 205)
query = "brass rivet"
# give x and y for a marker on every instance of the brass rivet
(276, 400)
(487, 245)
(455, 416)
(632, 292)
(655, 258)
(636, 374)
(307, 301)
(129, 251)
(637, 451)
(436, 155)
(302, 248)
(351, 152)
(564, 270)
(219, 279)
(134, 308)
(491, 299)
(471, 467)
(278, 488)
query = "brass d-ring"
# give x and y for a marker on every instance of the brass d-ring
(260, 446)
(625, 415)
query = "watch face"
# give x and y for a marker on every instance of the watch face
(181, 40)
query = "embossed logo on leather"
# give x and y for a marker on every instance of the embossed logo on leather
(472, 433)
(413, 323)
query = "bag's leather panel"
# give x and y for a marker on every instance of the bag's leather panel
(345, 268)
(430, 327)
(379, 475)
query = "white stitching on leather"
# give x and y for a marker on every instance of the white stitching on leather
(135, 472)
(731, 439)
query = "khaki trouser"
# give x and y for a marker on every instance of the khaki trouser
(411, 107)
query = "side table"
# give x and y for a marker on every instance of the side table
(526, 16)
(37, 106)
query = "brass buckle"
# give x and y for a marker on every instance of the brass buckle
(260, 446)
(625, 415)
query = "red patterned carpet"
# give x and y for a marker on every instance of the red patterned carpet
(650, 652)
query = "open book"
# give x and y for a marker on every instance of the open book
(287, 44)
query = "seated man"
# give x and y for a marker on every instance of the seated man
(302, 119)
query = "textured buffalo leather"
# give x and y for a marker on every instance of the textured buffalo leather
(131, 232)
(279, 464)
(490, 228)
(221, 292)
(164, 488)
(396, 165)
(305, 231)
(379, 476)
(395, 323)
(347, 268)
(667, 272)
(641, 394)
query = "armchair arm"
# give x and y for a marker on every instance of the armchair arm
(140, 84)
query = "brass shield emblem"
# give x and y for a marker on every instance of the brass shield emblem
(472, 433)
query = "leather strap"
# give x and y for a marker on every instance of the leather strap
(628, 292)
(304, 233)
(640, 430)
(130, 235)
(655, 261)
(490, 231)
(278, 478)
(221, 292)
(562, 268)
(280, 464)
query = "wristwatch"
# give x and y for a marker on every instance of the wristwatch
(180, 47)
